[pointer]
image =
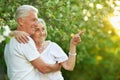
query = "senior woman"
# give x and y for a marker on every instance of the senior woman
(51, 52)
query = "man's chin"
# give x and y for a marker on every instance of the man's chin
(33, 32)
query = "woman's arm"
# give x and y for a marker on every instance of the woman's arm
(70, 63)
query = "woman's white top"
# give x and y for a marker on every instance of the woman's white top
(51, 55)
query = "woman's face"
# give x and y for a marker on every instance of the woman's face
(40, 33)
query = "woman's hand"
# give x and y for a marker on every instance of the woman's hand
(76, 39)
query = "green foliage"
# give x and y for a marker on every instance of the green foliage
(98, 53)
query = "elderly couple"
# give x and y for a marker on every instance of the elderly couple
(29, 57)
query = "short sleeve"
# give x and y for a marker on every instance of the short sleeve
(58, 53)
(29, 50)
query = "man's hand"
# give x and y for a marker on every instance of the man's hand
(21, 36)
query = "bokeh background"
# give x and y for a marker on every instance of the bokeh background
(98, 55)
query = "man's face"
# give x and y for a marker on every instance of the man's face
(30, 23)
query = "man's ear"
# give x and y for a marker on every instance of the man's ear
(20, 21)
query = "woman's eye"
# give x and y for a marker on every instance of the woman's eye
(43, 28)
(37, 30)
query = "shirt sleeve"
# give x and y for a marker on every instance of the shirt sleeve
(29, 50)
(58, 53)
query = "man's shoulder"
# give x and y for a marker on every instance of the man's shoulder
(31, 40)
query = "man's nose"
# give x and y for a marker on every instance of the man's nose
(36, 24)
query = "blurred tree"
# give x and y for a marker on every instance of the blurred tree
(98, 54)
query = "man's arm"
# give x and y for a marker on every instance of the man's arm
(43, 67)
(22, 37)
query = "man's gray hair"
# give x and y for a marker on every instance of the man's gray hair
(24, 11)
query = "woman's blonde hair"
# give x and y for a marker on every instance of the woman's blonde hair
(40, 20)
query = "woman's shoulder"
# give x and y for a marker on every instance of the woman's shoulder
(51, 43)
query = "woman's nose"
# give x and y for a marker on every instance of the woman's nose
(41, 32)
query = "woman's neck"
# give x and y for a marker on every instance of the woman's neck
(40, 47)
(39, 44)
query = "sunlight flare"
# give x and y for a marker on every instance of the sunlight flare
(115, 21)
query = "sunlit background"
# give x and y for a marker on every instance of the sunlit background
(115, 19)
(98, 55)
